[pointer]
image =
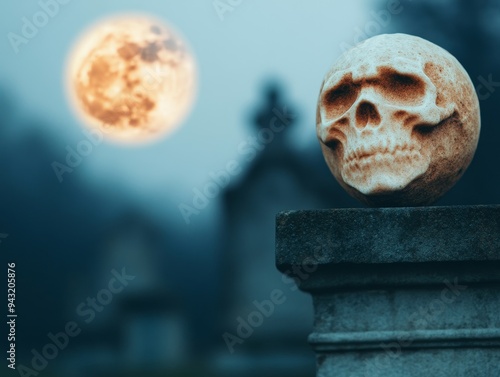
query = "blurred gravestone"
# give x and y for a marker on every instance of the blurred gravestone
(275, 177)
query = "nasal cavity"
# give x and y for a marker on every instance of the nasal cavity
(366, 113)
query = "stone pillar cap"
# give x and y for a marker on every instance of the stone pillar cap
(388, 235)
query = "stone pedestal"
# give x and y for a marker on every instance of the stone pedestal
(400, 292)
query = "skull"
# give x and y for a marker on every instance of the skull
(398, 121)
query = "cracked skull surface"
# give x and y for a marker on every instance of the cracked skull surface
(398, 121)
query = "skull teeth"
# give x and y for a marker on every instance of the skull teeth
(405, 150)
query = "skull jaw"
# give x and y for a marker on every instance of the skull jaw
(385, 175)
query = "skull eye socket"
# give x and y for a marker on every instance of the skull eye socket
(402, 88)
(339, 99)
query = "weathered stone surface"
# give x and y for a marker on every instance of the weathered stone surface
(407, 292)
(398, 120)
(389, 235)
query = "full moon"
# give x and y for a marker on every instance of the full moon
(131, 77)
